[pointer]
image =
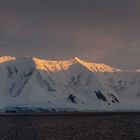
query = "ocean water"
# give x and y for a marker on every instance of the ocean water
(72, 126)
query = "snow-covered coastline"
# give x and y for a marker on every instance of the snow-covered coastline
(69, 85)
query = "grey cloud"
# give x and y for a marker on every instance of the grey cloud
(98, 30)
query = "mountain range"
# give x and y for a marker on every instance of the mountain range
(32, 84)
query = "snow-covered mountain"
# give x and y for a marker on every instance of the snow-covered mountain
(70, 85)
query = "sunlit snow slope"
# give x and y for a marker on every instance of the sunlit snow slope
(71, 85)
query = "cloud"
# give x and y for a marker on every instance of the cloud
(102, 31)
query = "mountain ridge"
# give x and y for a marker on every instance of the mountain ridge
(70, 60)
(71, 84)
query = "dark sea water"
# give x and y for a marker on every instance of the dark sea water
(72, 126)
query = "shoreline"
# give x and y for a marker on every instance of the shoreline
(71, 114)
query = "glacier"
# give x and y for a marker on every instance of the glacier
(36, 85)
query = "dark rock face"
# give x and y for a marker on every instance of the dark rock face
(100, 96)
(17, 88)
(11, 71)
(114, 99)
(72, 98)
(49, 83)
(76, 80)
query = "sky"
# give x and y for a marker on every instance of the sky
(102, 31)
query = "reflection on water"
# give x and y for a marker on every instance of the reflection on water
(70, 127)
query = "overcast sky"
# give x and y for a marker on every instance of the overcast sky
(106, 31)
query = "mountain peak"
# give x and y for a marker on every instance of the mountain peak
(41, 63)
(6, 58)
(76, 58)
